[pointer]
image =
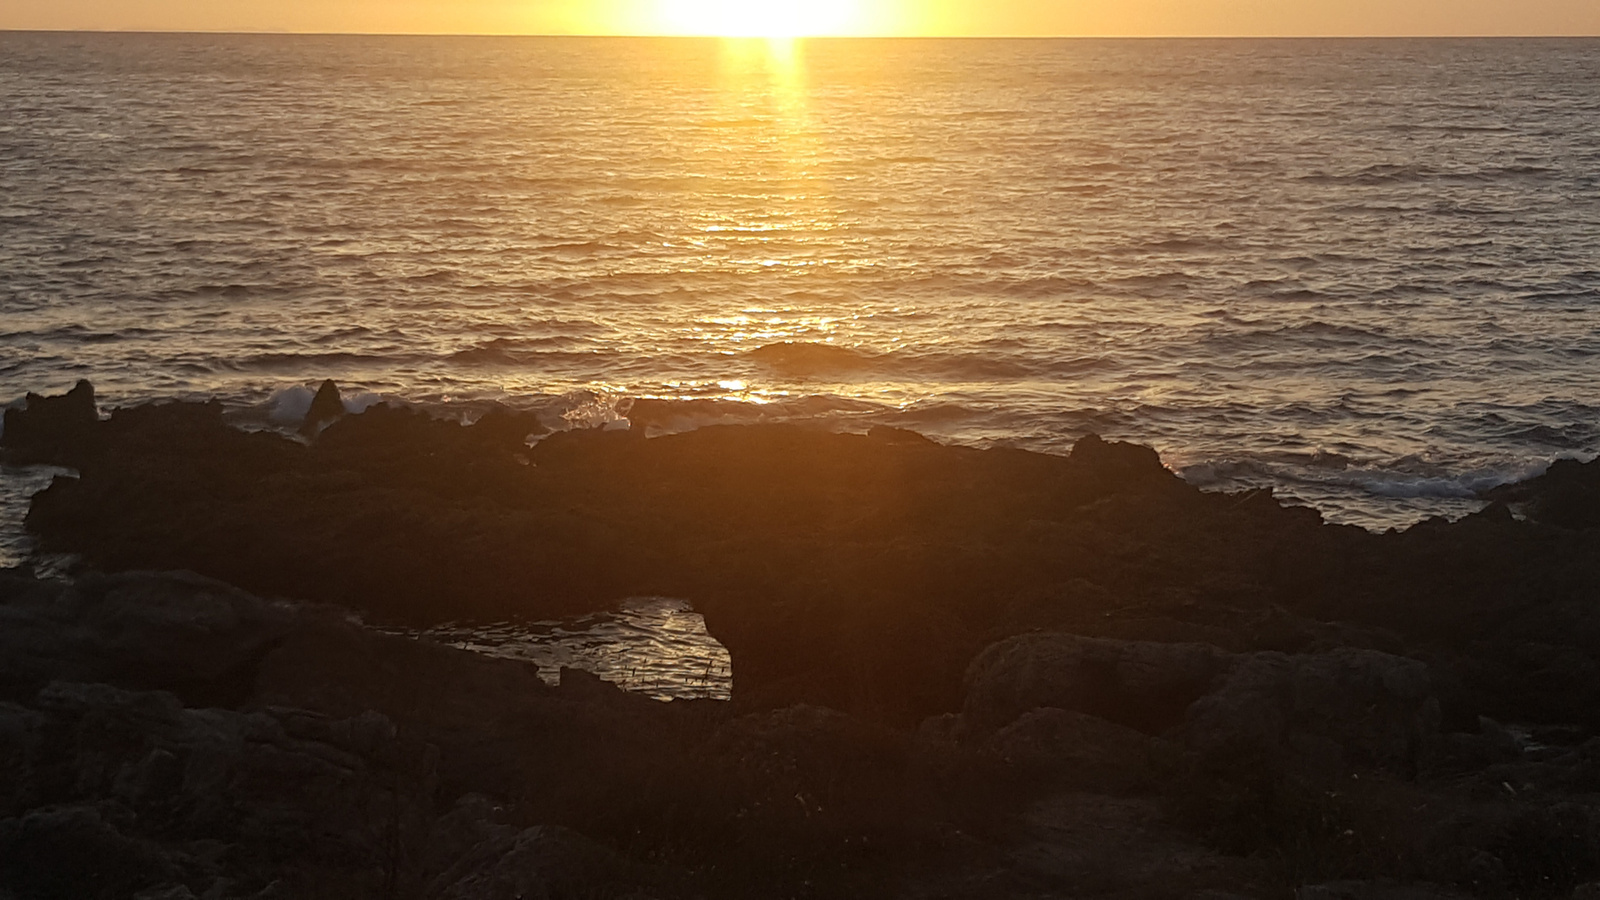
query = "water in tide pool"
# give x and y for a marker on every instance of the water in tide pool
(650, 645)
(1366, 273)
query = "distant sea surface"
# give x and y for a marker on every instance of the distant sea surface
(1364, 273)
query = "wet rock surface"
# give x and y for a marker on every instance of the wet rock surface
(957, 673)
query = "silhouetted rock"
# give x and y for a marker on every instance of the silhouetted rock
(196, 740)
(509, 427)
(1103, 628)
(862, 572)
(1119, 462)
(1344, 708)
(72, 851)
(52, 429)
(1056, 746)
(1567, 495)
(191, 636)
(544, 861)
(327, 406)
(1139, 684)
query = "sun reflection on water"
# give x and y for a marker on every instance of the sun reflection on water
(651, 645)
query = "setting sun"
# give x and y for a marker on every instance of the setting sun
(736, 18)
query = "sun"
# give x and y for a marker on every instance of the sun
(754, 18)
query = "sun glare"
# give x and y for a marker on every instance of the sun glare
(779, 19)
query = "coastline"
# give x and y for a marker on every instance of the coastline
(930, 644)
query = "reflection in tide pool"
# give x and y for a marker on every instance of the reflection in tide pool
(655, 646)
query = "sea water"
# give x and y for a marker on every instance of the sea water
(1365, 273)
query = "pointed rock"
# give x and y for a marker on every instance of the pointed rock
(326, 407)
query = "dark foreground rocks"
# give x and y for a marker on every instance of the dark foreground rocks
(172, 736)
(956, 672)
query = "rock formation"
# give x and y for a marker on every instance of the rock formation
(957, 672)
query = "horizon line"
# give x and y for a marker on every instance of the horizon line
(812, 37)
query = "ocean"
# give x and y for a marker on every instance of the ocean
(1363, 273)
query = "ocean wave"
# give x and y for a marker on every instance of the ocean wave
(314, 361)
(526, 352)
(671, 415)
(809, 358)
(1392, 174)
(288, 406)
(1397, 482)
(988, 361)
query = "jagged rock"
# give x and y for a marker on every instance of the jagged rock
(1567, 495)
(1363, 707)
(853, 578)
(1140, 684)
(73, 851)
(1061, 747)
(327, 406)
(177, 632)
(1120, 463)
(541, 863)
(1376, 890)
(509, 427)
(1492, 744)
(51, 428)
(873, 588)
(21, 746)
(209, 771)
(474, 821)
(808, 754)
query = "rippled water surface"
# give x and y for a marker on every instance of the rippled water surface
(18, 484)
(651, 645)
(1365, 272)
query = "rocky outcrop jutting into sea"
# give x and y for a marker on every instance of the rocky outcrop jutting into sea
(956, 672)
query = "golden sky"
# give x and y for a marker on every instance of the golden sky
(896, 17)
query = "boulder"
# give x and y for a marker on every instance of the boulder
(508, 427)
(1567, 495)
(810, 754)
(1140, 684)
(73, 851)
(21, 749)
(182, 633)
(216, 772)
(1351, 706)
(1071, 749)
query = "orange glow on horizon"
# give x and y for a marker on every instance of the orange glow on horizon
(798, 18)
(741, 18)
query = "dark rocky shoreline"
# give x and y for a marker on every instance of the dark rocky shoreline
(957, 673)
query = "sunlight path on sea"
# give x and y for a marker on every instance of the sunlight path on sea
(1360, 273)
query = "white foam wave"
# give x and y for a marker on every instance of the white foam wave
(1376, 481)
(289, 406)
